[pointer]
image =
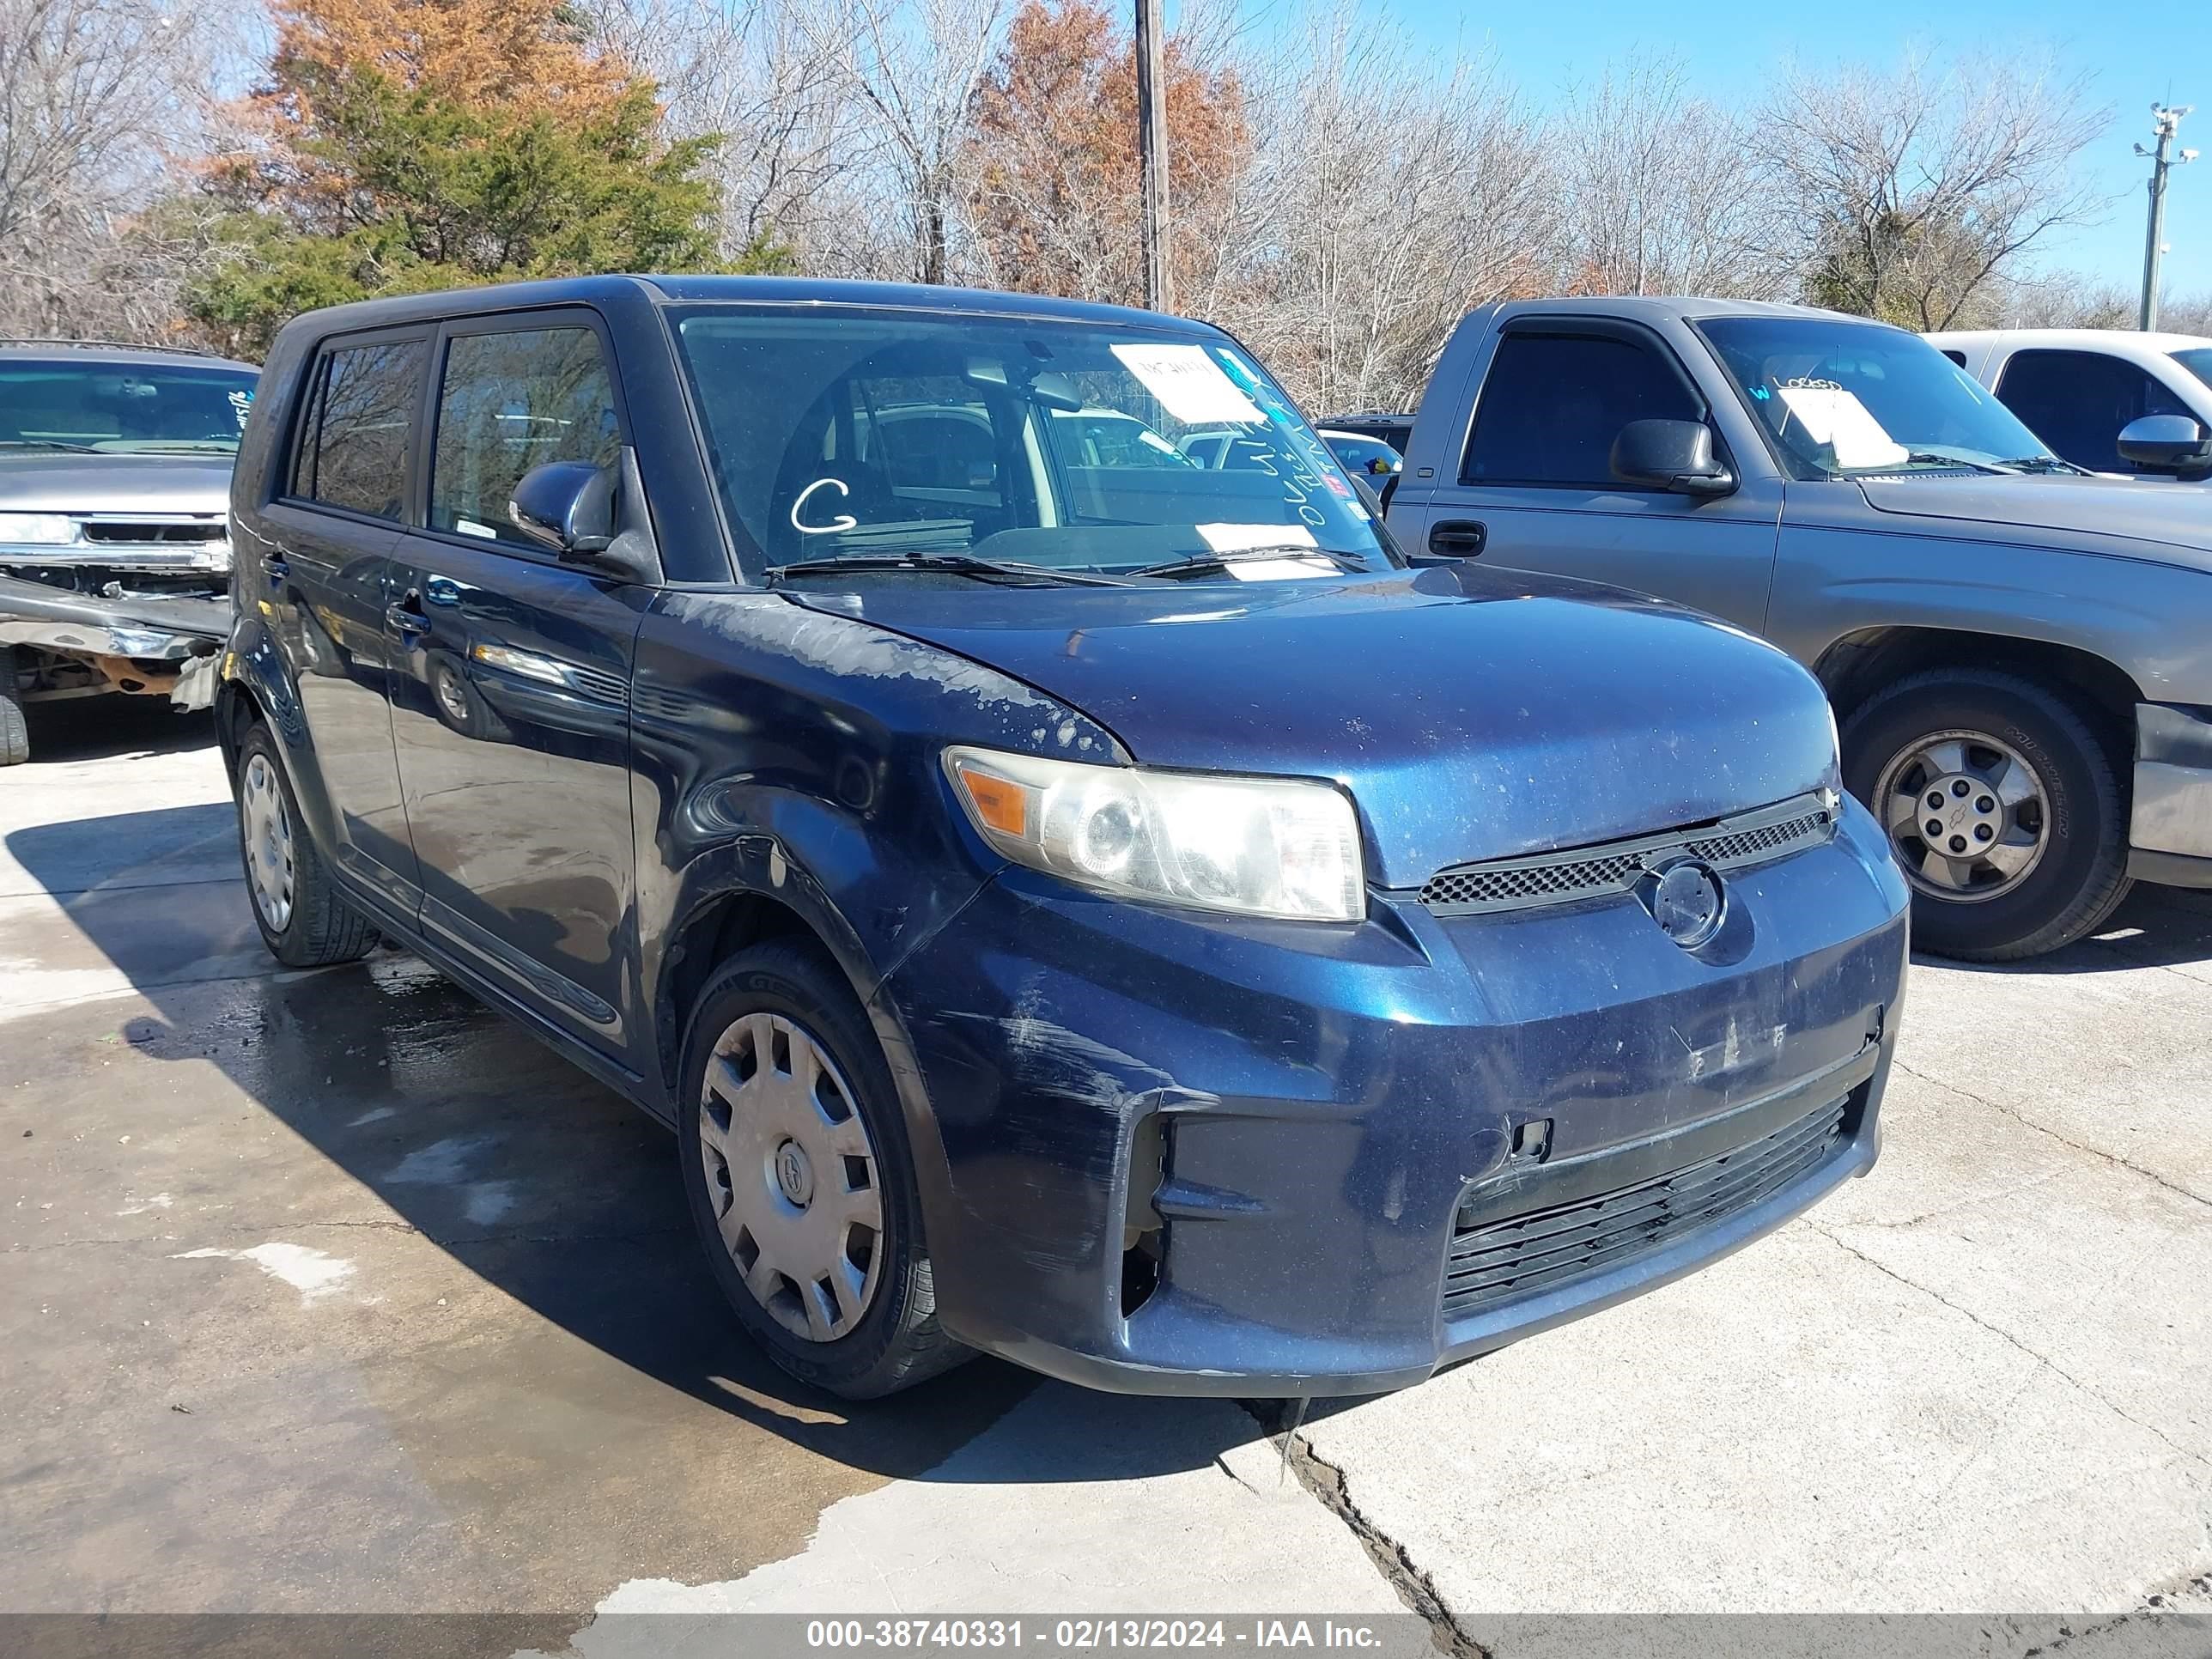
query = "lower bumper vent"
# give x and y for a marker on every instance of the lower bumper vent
(1496, 1260)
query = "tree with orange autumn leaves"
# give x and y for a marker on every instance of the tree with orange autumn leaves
(1052, 156)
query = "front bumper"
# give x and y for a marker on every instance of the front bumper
(1299, 1129)
(2170, 837)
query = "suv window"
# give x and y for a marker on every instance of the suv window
(509, 402)
(1553, 403)
(353, 445)
(2077, 402)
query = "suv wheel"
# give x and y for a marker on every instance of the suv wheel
(794, 1158)
(303, 920)
(2001, 809)
(15, 731)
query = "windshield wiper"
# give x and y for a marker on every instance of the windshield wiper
(48, 443)
(1222, 561)
(958, 564)
(2043, 464)
(1939, 458)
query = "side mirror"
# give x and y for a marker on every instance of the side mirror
(568, 506)
(1671, 455)
(2165, 443)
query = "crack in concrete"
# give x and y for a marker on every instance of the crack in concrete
(2114, 1158)
(2190, 1584)
(519, 1235)
(1326, 1481)
(2058, 1371)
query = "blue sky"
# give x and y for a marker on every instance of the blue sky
(1730, 45)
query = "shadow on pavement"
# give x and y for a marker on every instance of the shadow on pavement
(549, 1187)
(2153, 927)
(98, 728)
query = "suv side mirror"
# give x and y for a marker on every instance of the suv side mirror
(1671, 455)
(569, 505)
(2165, 443)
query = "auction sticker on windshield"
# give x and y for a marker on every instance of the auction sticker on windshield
(1189, 385)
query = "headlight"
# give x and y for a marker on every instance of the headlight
(36, 529)
(1257, 846)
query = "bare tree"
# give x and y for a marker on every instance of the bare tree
(1914, 193)
(97, 100)
(1381, 203)
(1658, 199)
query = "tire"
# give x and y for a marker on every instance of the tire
(314, 927)
(1897, 748)
(859, 1339)
(14, 730)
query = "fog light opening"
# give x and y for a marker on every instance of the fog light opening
(1143, 1234)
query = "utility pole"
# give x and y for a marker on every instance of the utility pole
(2165, 120)
(1152, 155)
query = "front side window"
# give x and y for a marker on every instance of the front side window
(353, 445)
(843, 435)
(2077, 402)
(509, 402)
(1552, 405)
(1838, 398)
(65, 404)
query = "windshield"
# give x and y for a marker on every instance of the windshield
(2197, 360)
(65, 404)
(842, 435)
(1840, 397)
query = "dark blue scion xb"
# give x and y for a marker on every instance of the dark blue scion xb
(1073, 900)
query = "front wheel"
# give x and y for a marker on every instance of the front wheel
(794, 1158)
(2001, 808)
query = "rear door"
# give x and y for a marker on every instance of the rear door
(1534, 488)
(324, 551)
(511, 683)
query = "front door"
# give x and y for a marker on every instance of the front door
(511, 686)
(1535, 489)
(317, 560)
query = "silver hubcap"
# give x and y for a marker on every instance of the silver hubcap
(267, 833)
(1966, 815)
(790, 1177)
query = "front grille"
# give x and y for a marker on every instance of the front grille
(1771, 832)
(143, 532)
(1497, 1260)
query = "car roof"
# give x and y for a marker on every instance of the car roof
(2121, 341)
(105, 351)
(734, 290)
(1646, 308)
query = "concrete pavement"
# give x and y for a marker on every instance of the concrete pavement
(333, 1291)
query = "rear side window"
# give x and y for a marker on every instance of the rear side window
(1553, 405)
(1958, 357)
(509, 402)
(2077, 402)
(353, 445)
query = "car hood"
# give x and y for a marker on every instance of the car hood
(51, 480)
(2143, 520)
(1472, 713)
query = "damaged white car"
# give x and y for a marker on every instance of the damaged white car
(115, 542)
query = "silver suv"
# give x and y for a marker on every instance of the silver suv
(114, 545)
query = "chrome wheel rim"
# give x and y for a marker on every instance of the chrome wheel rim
(266, 830)
(790, 1177)
(1968, 818)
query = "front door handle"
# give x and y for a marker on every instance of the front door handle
(406, 618)
(1458, 538)
(276, 567)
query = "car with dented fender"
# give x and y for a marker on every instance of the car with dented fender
(1124, 917)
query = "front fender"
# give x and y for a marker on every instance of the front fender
(253, 668)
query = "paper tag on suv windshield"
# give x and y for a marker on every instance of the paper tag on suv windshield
(1242, 537)
(1833, 417)
(1189, 385)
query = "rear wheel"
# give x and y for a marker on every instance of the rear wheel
(2001, 808)
(303, 920)
(794, 1158)
(14, 730)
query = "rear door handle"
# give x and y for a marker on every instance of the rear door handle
(1458, 538)
(406, 618)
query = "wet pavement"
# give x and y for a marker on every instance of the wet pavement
(333, 1291)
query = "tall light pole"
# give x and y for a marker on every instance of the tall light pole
(2165, 120)
(1152, 159)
